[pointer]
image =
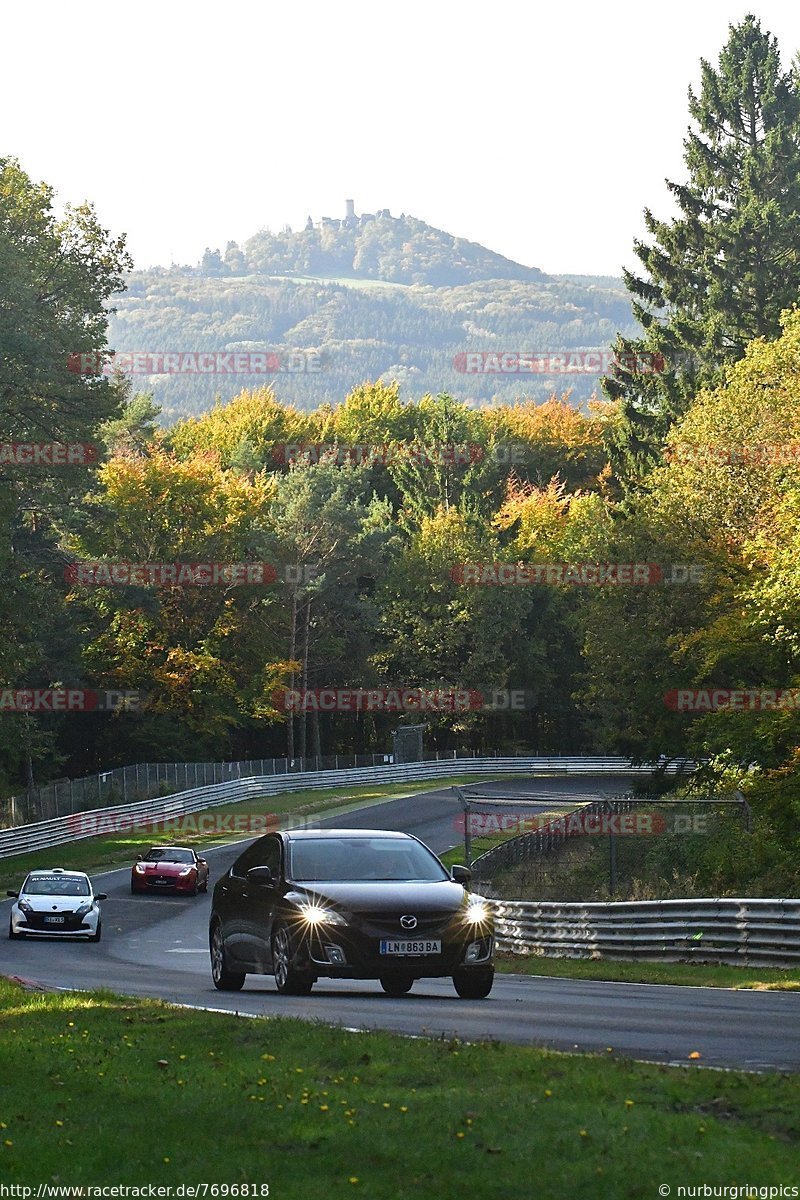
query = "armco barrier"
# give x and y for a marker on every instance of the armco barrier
(43, 834)
(735, 931)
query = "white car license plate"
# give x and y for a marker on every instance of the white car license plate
(423, 946)
(54, 920)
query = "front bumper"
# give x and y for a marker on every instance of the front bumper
(34, 924)
(340, 952)
(143, 883)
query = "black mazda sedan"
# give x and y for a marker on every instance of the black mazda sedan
(348, 904)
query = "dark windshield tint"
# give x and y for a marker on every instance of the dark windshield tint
(55, 885)
(166, 854)
(363, 859)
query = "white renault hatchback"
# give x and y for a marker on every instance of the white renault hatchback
(56, 902)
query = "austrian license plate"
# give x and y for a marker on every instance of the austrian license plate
(54, 920)
(422, 946)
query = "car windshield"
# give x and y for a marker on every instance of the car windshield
(362, 859)
(56, 885)
(167, 854)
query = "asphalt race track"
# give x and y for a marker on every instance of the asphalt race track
(158, 946)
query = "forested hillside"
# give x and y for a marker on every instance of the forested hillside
(387, 299)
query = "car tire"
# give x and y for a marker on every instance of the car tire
(288, 980)
(225, 980)
(98, 933)
(473, 985)
(396, 985)
(15, 937)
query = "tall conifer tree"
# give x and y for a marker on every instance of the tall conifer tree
(722, 271)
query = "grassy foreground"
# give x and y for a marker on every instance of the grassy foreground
(689, 974)
(120, 849)
(98, 1089)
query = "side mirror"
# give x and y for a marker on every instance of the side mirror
(100, 896)
(12, 893)
(140, 858)
(261, 876)
(461, 875)
(202, 862)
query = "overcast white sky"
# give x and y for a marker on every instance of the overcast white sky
(540, 130)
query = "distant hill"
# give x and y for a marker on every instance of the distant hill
(364, 297)
(374, 246)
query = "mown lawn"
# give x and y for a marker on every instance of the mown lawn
(98, 1089)
(689, 974)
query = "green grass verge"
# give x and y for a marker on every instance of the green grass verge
(693, 974)
(112, 850)
(101, 1090)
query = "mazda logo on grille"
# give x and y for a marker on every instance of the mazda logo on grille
(408, 922)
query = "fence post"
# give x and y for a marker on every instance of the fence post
(748, 814)
(467, 831)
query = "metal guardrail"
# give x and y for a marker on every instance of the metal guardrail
(60, 830)
(150, 781)
(734, 931)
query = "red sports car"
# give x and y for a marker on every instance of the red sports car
(170, 869)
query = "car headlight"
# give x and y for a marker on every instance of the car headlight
(477, 913)
(24, 906)
(315, 914)
(186, 871)
(84, 908)
(139, 868)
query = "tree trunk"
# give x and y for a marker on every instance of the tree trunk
(292, 651)
(304, 685)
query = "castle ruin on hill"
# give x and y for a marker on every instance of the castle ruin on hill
(350, 219)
